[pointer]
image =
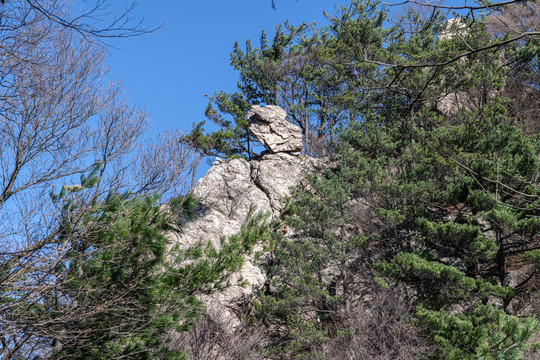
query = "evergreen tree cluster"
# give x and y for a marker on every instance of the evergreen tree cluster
(432, 197)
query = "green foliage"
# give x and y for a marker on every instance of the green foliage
(442, 284)
(453, 195)
(127, 285)
(297, 70)
(462, 212)
(233, 137)
(122, 261)
(310, 275)
(486, 334)
(533, 256)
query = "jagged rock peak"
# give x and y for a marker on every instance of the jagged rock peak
(268, 124)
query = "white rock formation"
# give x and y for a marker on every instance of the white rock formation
(231, 186)
(453, 28)
(268, 124)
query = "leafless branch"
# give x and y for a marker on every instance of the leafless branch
(95, 22)
(433, 4)
(60, 118)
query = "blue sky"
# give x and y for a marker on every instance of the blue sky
(170, 71)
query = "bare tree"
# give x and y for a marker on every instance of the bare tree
(378, 330)
(59, 119)
(212, 340)
(94, 19)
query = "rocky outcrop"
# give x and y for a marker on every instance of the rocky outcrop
(454, 103)
(232, 186)
(470, 99)
(453, 28)
(268, 124)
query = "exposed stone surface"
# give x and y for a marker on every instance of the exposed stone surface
(453, 28)
(268, 124)
(276, 173)
(228, 188)
(231, 187)
(450, 104)
(453, 103)
(226, 193)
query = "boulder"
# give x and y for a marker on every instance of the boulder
(268, 124)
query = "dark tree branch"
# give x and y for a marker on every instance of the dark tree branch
(462, 7)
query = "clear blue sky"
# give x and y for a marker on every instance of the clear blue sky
(170, 71)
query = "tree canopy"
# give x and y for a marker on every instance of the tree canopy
(433, 195)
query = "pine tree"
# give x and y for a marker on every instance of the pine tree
(452, 193)
(122, 287)
(296, 70)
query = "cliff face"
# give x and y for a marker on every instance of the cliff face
(232, 186)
